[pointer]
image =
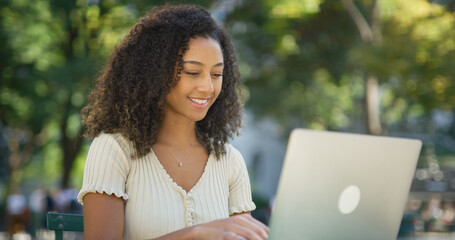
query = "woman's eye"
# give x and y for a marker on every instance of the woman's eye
(192, 73)
(218, 75)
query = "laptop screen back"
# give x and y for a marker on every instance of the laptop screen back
(343, 186)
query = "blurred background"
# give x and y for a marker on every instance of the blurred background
(375, 67)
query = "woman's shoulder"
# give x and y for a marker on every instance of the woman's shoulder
(232, 153)
(231, 149)
(113, 139)
(117, 137)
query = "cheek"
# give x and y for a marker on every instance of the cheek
(218, 87)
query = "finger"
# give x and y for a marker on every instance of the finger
(254, 225)
(232, 236)
(261, 224)
(249, 218)
(244, 231)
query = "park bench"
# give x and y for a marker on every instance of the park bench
(62, 222)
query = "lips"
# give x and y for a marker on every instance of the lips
(199, 103)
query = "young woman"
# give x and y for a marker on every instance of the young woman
(161, 114)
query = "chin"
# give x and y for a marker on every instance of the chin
(199, 118)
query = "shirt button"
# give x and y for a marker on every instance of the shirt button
(189, 195)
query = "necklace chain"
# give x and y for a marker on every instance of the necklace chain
(180, 163)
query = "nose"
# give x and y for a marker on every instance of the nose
(206, 84)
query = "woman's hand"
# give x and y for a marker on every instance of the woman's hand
(240, 226)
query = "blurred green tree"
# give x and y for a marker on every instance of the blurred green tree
(344, 64)
(51, 52)
(307, 63)
(50, 55)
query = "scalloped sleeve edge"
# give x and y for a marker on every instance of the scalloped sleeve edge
(91, 188)
(242, 208)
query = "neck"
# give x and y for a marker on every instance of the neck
(177, 133)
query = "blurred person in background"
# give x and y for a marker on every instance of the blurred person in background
(161, 115)
(37, 204)
(65, 200)
(449, 216)
(16, 207)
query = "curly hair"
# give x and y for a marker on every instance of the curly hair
(130, 92)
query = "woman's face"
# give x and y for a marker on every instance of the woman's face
(200, 81)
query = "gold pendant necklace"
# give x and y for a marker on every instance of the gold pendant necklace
(180, 163)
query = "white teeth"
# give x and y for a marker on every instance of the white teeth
(199, 101)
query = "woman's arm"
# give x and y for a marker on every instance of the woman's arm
(103, 216)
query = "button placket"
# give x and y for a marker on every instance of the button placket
(189, 210)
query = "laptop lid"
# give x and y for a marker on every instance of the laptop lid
(343, 186)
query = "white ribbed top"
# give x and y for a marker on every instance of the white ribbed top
(154, 204)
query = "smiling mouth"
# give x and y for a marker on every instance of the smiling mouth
(199, 101)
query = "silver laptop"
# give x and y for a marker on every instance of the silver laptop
(343, 186)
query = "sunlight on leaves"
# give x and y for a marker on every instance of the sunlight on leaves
(439, 84)
(74, 124)
(294, 8)
(52, 167)
(289, 45)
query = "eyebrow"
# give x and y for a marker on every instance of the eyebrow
(201, 64)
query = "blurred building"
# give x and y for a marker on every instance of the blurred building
(263, 148)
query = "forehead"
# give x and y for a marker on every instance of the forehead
(205, 50)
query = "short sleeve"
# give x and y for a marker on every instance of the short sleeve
(240, 199)
(106, 168)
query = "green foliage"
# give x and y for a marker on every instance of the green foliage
(295, 67)
(304, 65)
(51, 53)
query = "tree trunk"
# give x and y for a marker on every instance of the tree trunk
(370, 35)
(373, 123)
(70, 146)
